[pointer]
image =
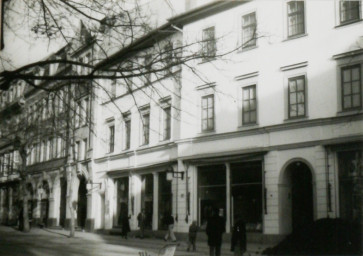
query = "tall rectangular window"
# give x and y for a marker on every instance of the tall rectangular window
(351, 87)
(296, 97)
(113, 89)
(111, 138)
(208, 43)
(127, 131)
(85, 148)
(77, 150)
(295, 18)
(166, 123)
(208, 113)
(249, 27)
(50, 149)
(145, 128)
(249, 107)
(349, 11)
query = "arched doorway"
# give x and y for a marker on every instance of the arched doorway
(296, 197)
(82, 203)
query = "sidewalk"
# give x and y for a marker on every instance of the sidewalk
(103, 244)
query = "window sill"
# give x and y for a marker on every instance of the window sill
(296, 119)
(248, 126)
(207, 60)
(208, 132)
(247, 49)
(348, 23)
(295, 37)
(350, 112)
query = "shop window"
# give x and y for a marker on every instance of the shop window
(350, 164)
(211, 191)
(147, 190)
(165, 199)
(246, 190)
(122, 199)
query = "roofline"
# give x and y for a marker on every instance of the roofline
(204, 11)
(137, 44)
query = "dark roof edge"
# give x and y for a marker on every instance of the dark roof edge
(136, 44)
(204, 11)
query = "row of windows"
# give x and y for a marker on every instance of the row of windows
(349, 11)
(49, 149)
(8, 163)
(351, 98)
(145, 128)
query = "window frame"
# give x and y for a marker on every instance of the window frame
(166, 122)
(295, 78)
(346, 21)
(208, 129)
(243, 33)
(351, 67)
(145, 127)
(111, 138)
(209, 43)
(252, 86)
(296, 14)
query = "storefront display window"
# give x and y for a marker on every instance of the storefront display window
(165, 199)
(122, 198)
(147, 198)
(246, 193)
(211, 191)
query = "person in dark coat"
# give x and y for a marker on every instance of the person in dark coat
(238, 242)
(141, 219)
(169, 221)
(192, 235)
(215, 229)
(125, 226)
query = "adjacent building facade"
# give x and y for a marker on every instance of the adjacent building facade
(266, 123)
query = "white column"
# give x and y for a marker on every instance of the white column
(155, 201)
(228, 197)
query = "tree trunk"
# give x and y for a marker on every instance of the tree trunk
(71, 204)
(25, 224)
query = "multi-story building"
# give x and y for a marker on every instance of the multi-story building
(265, 121)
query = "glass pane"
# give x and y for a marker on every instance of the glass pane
(355, 74)
(356, 100)
(210, 101)
(347, 89)
(204, 113)
(210, 123)
(356, 87)
(293, 110)
(252, 93)
(246, 106)
(246, 117)
(347, 102)
(292, 98)
(300, 97)
(210, 112)
(292, 85)
(346, 75)
(253, 116)
(245, 94)
(253, 104)
(301, 109)
(204, 102)
(204, 124)
(300, 84)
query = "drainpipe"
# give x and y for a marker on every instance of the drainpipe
(328, 185)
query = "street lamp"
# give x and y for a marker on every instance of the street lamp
(170, 174)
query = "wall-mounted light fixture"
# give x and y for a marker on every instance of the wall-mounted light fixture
(170, 174)
(90, 185)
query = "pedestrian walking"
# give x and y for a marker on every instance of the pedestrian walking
(192, 235)
(215, 229)
(125, 226)
(169, 222)
(141, 218)
(238, 242)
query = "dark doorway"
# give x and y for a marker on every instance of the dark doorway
(165, 200)
(301, 195)
(147, 191)
(122, 199)
(63, 202)
(211, 191)
(44, 204)
(82, 203)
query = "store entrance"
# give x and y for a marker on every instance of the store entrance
(211, 191)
